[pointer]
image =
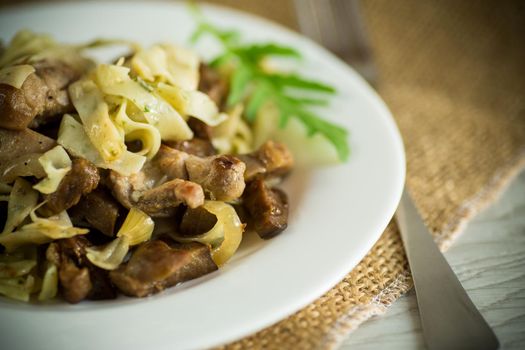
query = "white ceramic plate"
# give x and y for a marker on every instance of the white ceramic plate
(337, 213)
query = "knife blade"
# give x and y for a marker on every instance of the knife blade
(449, 318)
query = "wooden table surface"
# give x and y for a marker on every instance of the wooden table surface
(489, 259)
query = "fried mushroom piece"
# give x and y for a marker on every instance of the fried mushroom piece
(267, 208)
(221, 176)
(196, 221)
(272, 159)
(15, 144)
(200, 145)
(141, 191)
(98, 210)
(156, 265)
(171, 162)
(42, 98)
(212, 84)
(78, 278)
(80, 180)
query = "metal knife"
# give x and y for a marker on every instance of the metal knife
(450, 320)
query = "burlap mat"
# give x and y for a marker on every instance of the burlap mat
(453, 74)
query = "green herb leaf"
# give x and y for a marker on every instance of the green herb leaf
(337, 135)
(254, 85)
(295, 81)
(259, 96)
(257, 52)
(239, 80)
(308, 101)
(221, 59)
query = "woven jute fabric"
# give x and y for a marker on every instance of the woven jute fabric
(453, 74)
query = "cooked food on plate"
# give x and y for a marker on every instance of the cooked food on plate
(135, 175)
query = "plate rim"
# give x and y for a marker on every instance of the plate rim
(372, 95)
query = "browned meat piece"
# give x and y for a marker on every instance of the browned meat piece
(221, 176)
(271, 159)
(200, 129)
(155, 266)
(99, 210)
(160, 186)
(74, 280)
(14, 144)
(200, 145)
(171, 162)
(80, 180)
(254, 167)
(169, 195)
(196, 222)
(75, 248)
(18, 107)
(79, 279)
(276, 158)
(267, 208)
(212, 84)
(141, 191)
(102, 288)
(43, 96)
(25, 165)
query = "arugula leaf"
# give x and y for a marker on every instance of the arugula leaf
(257, 52)
(239, 81)
(295, 81)
(251, 83)
(258, 97)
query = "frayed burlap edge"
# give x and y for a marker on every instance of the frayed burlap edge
(451, 231)
(379, 305)
(486, 196)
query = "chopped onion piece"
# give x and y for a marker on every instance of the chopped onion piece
(110, 256)
(25, 165)
(16, 268)
(168, 63)
(16, 75)
(24, 45)
(224, 237)
(192, 103)
(73, 138)
(49, 283)
(115, 80)
(22, 200)
(18, 288)
(93, 111)
(147, 134)
(233, 135)
(137, 227)
(40, 231)
(56, 164)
